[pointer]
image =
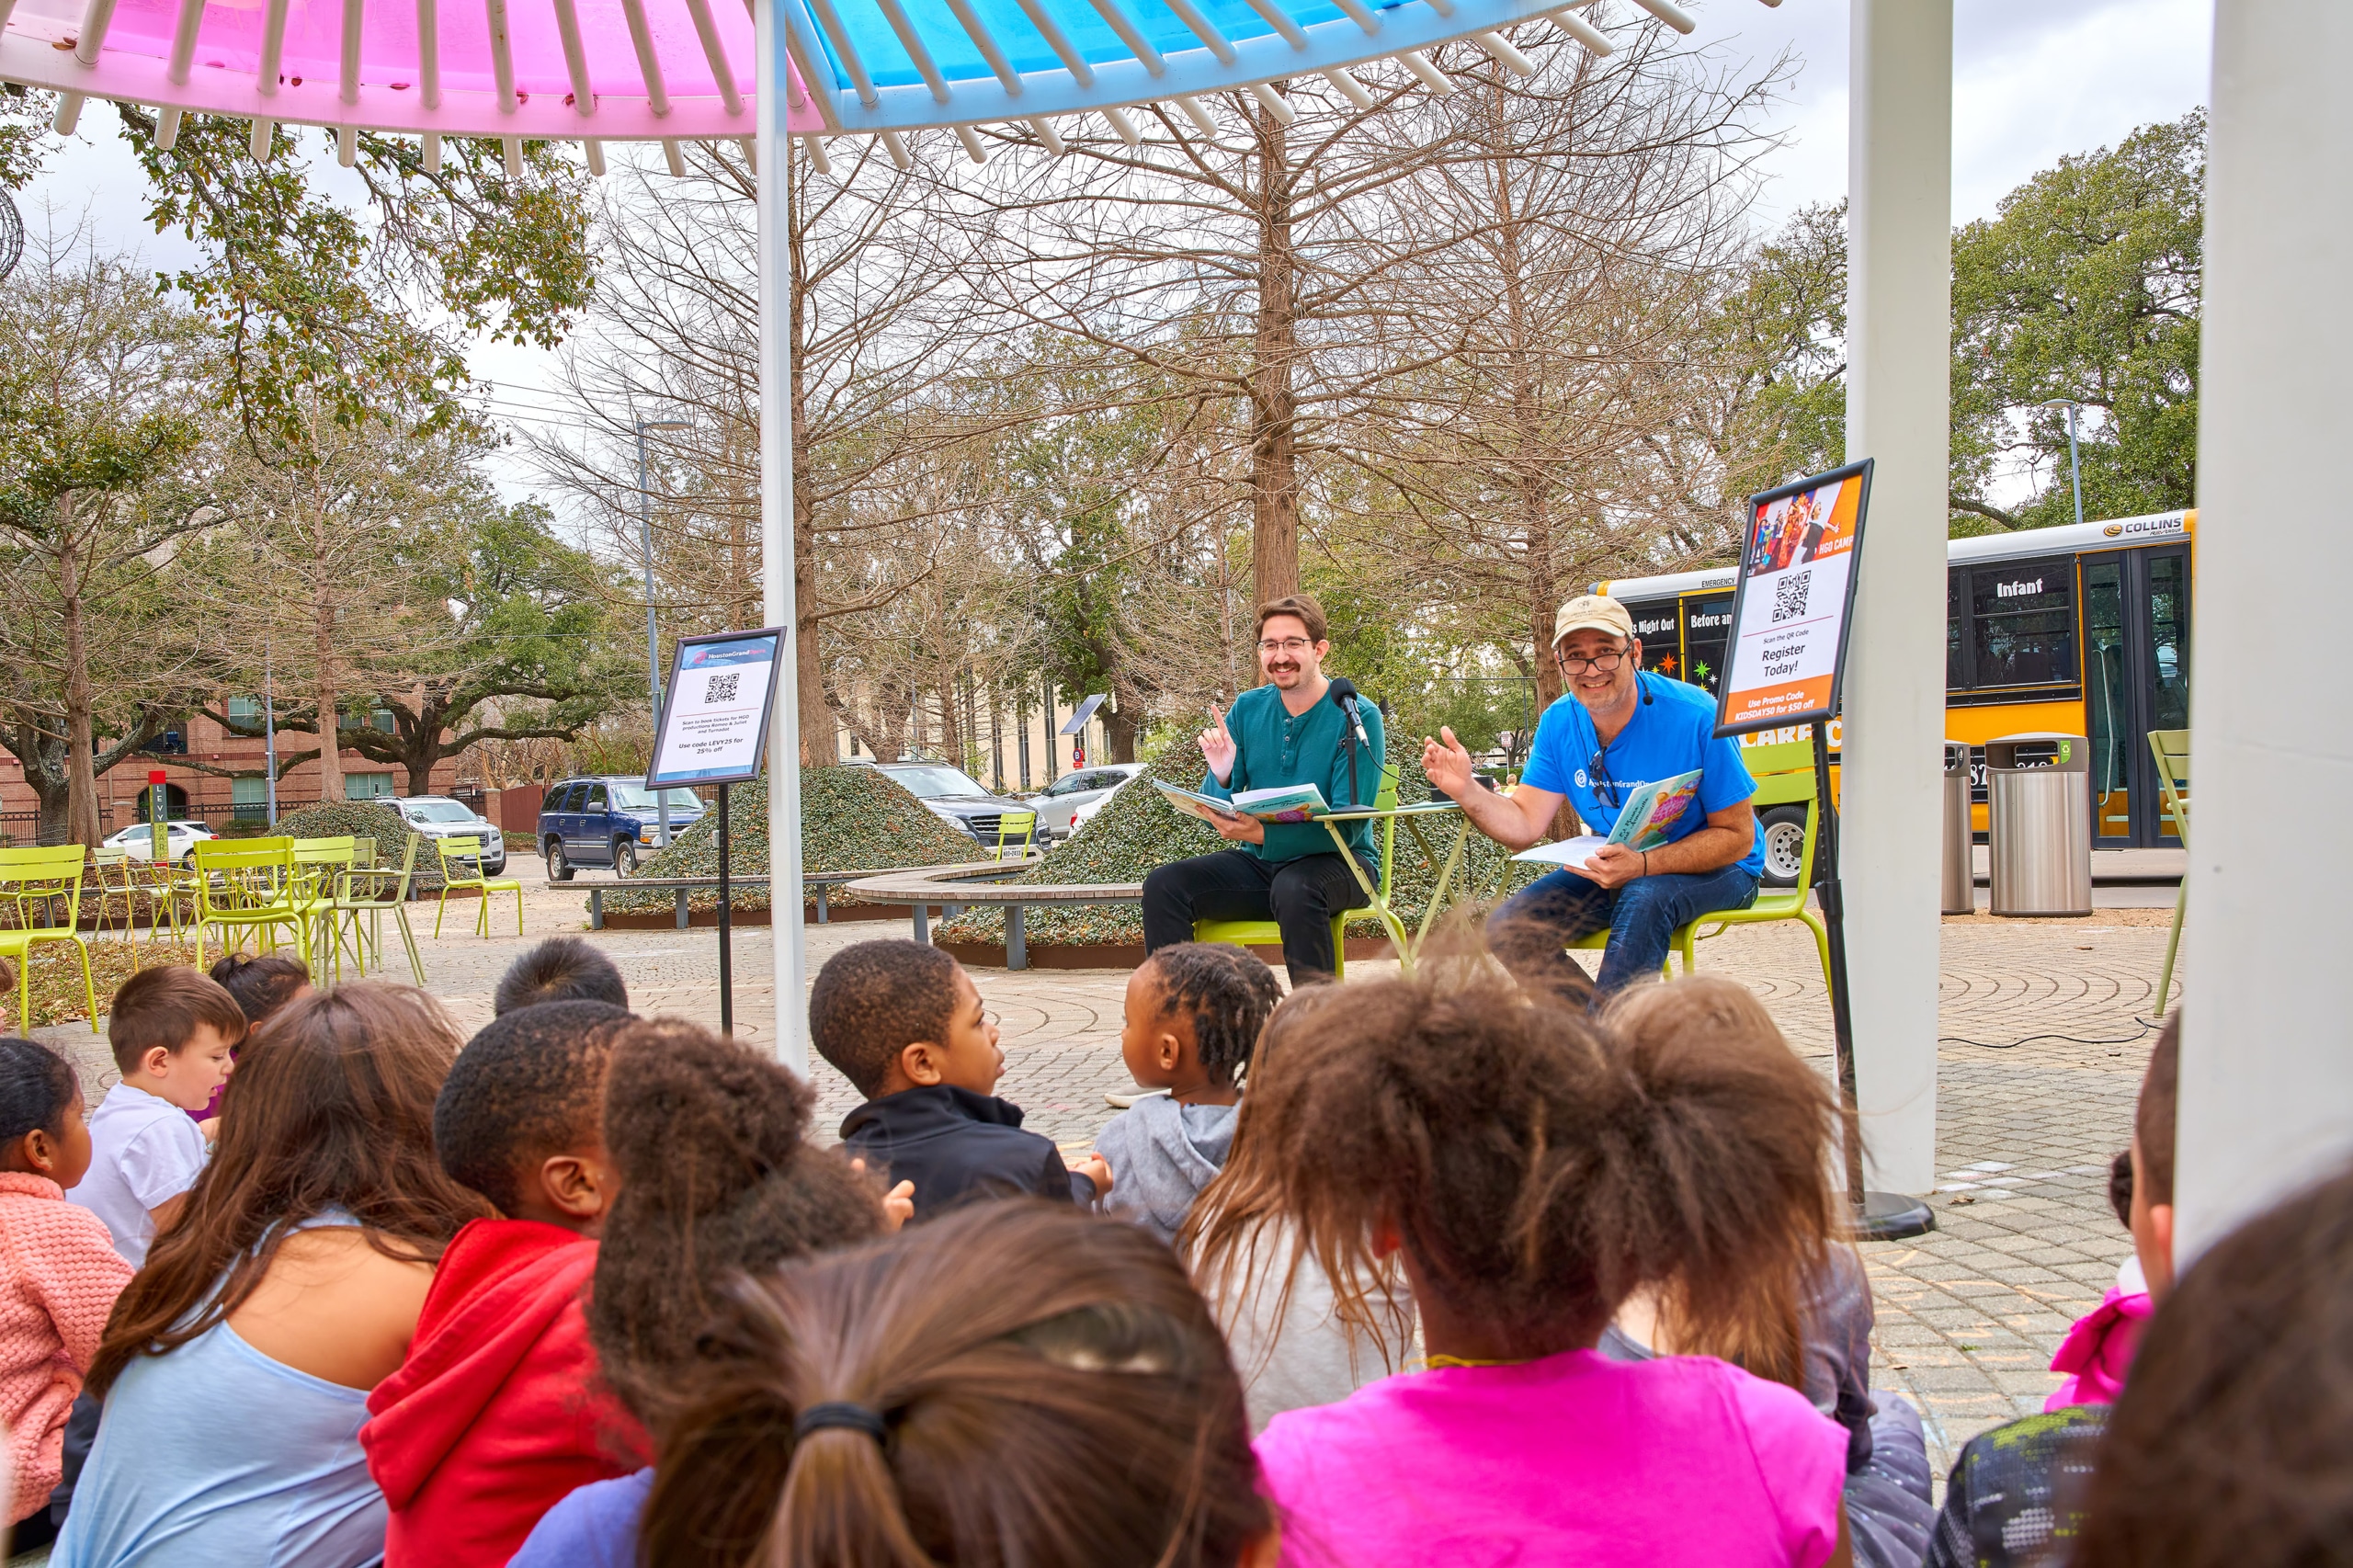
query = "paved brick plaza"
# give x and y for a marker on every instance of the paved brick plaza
(1968, 1316)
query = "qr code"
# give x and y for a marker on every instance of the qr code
(723, 688)
(1789, 596)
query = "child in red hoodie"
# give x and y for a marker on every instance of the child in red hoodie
(499, 1411)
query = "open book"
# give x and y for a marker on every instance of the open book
(1650, 811)
(1285, 802)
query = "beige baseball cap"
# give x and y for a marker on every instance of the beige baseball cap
(1596, 612)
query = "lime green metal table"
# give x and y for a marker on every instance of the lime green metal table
(1407, 943)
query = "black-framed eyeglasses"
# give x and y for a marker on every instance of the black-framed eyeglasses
(1606, 663)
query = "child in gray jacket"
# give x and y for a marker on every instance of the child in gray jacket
(1194, 1010)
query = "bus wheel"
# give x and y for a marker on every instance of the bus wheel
(1784, 845)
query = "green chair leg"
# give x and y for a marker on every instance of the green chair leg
(2172, 946)
(24, 992)
(408, 939)
(441, 909)
(89, 991)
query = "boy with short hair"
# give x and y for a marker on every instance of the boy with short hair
(172, 1031)
(906, 1026)
(562, 969)
(2017, 1491)
(498, 1411)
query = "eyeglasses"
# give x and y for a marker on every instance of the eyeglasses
(1605, 663)
(1285, 645)
(1605, 788)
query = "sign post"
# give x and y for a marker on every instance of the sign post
(1785, 666)
(713, 729)
(159, 827)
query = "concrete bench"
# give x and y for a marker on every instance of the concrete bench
(958, 888)
(824, 882)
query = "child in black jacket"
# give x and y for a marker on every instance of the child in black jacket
(906, 1025)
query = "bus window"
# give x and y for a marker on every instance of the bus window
(1956, 665)
(2022, 622)
(1707, 628)
(2108, 700)
(2169, 629)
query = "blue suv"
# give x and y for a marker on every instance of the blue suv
(606, 821)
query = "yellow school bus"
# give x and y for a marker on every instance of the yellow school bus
(2083, 630)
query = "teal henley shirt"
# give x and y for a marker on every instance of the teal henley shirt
(1272, 749)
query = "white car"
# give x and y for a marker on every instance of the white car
(438, 816)
(180, 842)
(1070, 800)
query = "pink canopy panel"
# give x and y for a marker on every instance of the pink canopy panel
(515, 69)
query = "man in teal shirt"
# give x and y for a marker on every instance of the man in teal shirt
(1286, 732)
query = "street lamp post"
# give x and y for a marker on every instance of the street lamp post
(652, 643)
(2075, 462)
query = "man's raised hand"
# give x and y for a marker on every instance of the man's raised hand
(1447, 764)
(1217, 746)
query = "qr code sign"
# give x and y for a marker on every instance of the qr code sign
(723, 688)
(1789, 596)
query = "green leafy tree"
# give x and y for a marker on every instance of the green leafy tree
(2084, 286)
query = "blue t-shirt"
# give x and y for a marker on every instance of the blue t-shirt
(1673, 732)
(595, 1527)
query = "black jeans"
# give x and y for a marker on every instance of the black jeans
(1300, 896)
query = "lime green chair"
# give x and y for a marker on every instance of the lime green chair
(370, 890)
(250, 884)
(1784, 775)
(1265, 933)
(1019, 830)
(319, 863)
(35, 882)
(461, 868)
(2171, 748)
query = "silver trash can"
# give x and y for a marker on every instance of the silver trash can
(2038, 825)
(1960, 871)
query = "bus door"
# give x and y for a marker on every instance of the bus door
(2136, 679)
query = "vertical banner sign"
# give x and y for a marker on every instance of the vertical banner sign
(714, 730)
(1793, 603)
(159, 827)
(1786, 665)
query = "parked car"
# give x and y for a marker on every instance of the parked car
(180, 842)
(1072, 798)
(607, 820)
(953, 795)
(438, 816)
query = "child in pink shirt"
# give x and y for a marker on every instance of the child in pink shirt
(58, 1272)
(1529, 1178)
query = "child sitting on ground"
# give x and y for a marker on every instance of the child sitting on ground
(718, 1178)
(172, 1031)
(1529, 1181)
(58, 1274)
(1811, 1333)
(2232, 1445)
(497, 1413)
(262, 984)
(1010, 1385)
(1193, 1013)
(562, 969)
(2015, 1492)
(2097, 1351)
(906, 1025)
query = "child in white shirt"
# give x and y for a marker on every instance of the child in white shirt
(171, 1030)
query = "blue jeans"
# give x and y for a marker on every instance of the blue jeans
(1529, 932)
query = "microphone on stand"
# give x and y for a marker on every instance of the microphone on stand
(1343, 692)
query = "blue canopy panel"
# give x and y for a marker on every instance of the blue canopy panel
(896, 65)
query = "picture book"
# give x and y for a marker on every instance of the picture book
(1286, 803)
(1650, 809)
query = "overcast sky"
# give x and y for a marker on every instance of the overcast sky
(2032, 80)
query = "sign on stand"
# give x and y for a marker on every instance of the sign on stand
(714, 730)
(1794, 601)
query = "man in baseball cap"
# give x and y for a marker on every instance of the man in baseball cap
(1615, 728)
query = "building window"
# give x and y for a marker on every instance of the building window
(244, 710)
(368, 787)
(249, 799)
(376, 719)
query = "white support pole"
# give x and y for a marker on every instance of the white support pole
(2267, 1080)
(1899, 308)
(774, 177)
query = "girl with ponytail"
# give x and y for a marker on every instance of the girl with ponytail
(1014, 1383)
(1529, 1178)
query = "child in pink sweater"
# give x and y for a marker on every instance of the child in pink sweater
(58, 1272)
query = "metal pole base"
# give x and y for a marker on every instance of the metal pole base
(1891, 1217)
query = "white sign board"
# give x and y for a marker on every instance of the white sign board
(1796, 594)
(715, 712)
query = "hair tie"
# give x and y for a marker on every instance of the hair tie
(838, 1413)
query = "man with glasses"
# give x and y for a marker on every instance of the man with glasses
(1615, 729)
(1283, 733)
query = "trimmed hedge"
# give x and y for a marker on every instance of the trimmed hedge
(852, 819)
(367, 818)
(1136, 831)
